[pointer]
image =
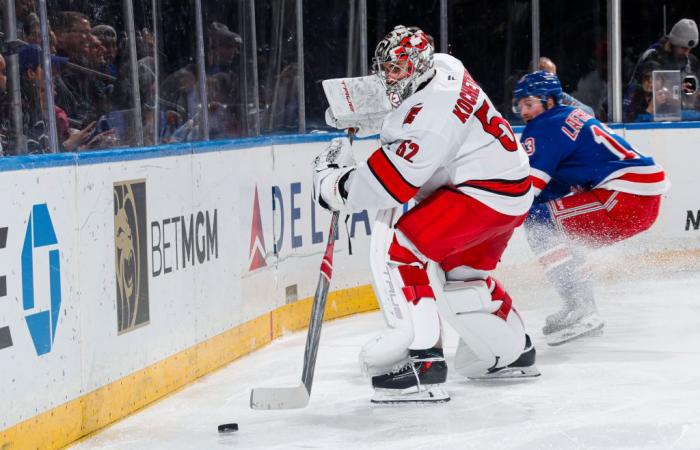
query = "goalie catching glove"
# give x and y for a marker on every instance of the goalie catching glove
(364, 126)
(331, 172)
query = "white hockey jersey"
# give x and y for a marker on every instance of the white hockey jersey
(446, 134)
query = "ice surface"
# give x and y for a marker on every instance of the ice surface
(637, 386)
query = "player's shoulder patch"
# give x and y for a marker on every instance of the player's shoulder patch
(412, 113)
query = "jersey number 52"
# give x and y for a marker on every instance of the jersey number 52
(407, 150)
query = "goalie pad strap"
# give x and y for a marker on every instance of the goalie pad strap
(412, 271)
(500, 294)
(413, 276)
(401, 254)
(414, 293)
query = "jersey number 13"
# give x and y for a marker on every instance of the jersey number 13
(601, 136)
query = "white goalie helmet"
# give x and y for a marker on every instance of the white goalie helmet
(410, 44)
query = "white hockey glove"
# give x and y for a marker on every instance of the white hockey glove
(331, 171)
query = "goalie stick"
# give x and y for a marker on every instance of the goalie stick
(294, 397)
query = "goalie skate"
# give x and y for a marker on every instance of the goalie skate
(588, 325)
(427, 393)
(523, 367)
(418, 381)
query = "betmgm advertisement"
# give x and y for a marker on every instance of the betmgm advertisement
(130, 251)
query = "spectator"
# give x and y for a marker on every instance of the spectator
(73, 32)
(32, 32)
(96, 58)
(180, 94)
(34, 108)
(108, 38)
(284, 103)
(147, 83)
(547, 65)
(34, 98)
(32, 29)
(592, 87)
(638, 103)
(672, 52)
(23, 8)
(145, 43)
(224, 46)
(84, 95)
(222, 117)
(179, 91)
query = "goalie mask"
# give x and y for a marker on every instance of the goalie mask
(403, 60)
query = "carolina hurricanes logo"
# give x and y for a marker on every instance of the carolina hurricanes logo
(529, 146)
(394, 99)
(257, 252)
(412, 113)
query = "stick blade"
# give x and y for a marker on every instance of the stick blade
(293, 397)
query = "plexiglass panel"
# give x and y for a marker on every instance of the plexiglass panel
(648, 49)
(278, 68)
(573, 35)
(230, 68)
(94, 86)
(331, 50)
(494, 42)
(170, 76)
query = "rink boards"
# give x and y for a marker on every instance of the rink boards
(127, 274)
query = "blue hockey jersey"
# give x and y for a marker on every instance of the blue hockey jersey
(571, 150)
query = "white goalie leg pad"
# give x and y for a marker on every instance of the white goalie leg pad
(412, 325)
(486, 340)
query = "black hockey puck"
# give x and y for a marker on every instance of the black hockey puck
(228, 427)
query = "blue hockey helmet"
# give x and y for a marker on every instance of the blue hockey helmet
(538, 84)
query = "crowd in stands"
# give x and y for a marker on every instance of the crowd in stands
(95, 105)
(93, 93)
(648, 93)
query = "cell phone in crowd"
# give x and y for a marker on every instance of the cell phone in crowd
(101, 126)
(690, 84)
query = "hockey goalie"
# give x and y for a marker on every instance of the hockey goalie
(443, 144)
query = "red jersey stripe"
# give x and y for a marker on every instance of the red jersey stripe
(510, 188)
(390, 178)
(538, 183)
(643, 177)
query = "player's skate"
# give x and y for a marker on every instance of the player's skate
(523, 367)
(575, 320)
(418, 381)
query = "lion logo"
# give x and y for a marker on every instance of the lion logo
(130, 255)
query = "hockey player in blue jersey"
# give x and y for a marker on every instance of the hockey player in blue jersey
(592, 189)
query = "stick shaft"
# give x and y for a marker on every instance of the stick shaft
(319, 307)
